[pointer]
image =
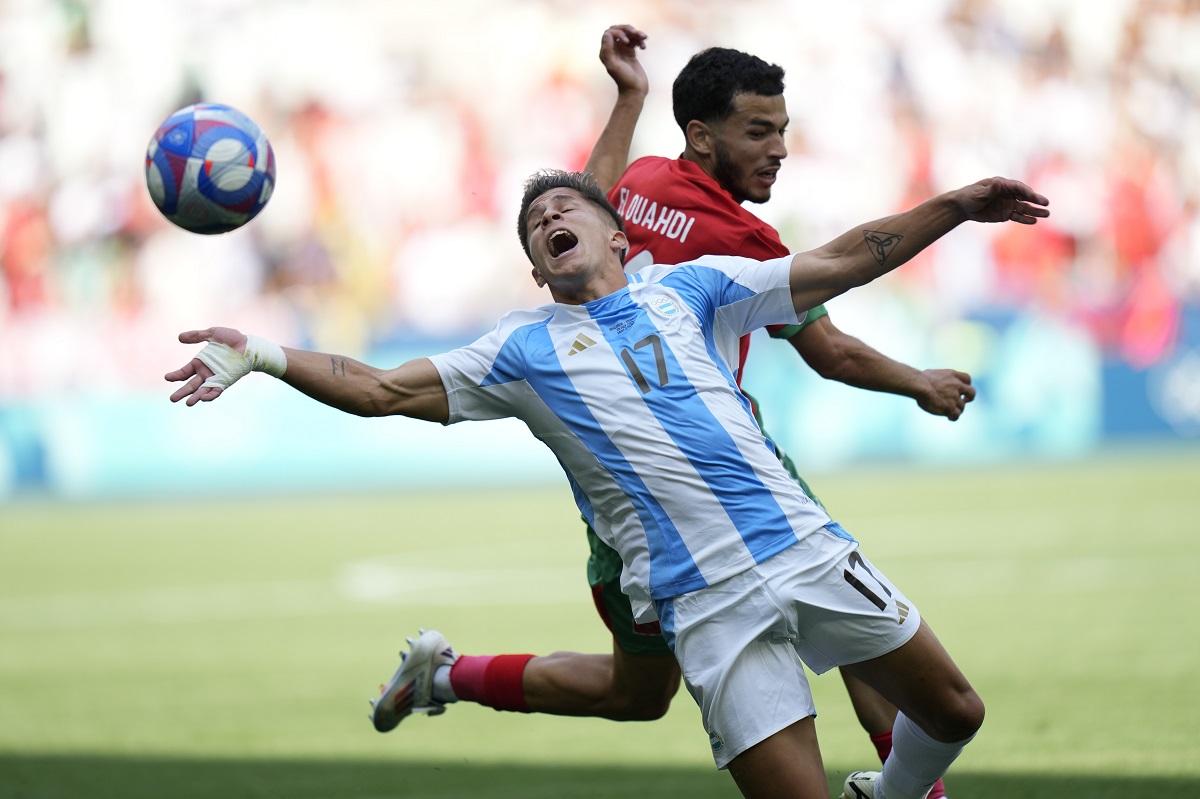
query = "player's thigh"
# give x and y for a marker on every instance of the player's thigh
(787, 764)
(735, 650)
(874, 712)
(923, 681)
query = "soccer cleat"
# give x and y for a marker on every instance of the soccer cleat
(411, 688)
(860, 785)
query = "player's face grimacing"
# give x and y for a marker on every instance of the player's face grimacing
(568, 235)
(748, 146)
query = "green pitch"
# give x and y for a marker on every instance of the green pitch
(228, 648)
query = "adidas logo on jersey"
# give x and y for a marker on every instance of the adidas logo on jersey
(582, 342)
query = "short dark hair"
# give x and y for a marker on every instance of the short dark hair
(705, 88)
(548, 179)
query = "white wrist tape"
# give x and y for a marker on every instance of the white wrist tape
(229, 365)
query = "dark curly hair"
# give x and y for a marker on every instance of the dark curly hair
(705, 88)
(547, 179)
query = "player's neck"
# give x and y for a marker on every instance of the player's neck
(569, 293)
(707, 166)
(699, 160)
(585, 289)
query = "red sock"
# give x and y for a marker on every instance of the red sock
(883, 745)
(491, 680)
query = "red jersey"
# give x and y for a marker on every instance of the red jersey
(675, 212)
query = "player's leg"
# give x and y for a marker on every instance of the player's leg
(939, 711)
(877, 716)
(874, 712)
(787, 764)
(923, 681)
(848, 613)
(620, 686)
(635, 683)
(735, 647)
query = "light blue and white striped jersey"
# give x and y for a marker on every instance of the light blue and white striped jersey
(635, 394)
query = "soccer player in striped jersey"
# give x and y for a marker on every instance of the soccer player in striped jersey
(631, 383)
(731, 109)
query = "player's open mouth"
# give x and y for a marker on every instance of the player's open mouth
(561, 242)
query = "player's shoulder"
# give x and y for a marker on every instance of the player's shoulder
(524, 316)
(523, 320)
(725, 264)
(648, 163)
(656, 174)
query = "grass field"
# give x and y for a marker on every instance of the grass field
(207, 648)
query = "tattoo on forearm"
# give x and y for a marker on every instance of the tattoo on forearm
(881, 243)
(337, 364)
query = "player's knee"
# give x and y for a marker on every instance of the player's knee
(960, 718)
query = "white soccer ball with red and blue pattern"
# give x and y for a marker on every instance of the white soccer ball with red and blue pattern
(210, 168)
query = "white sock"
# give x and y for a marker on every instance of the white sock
(442, 690)
(916, 762)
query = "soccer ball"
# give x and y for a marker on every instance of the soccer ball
(209, 168)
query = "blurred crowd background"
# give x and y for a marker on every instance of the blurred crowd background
(402, 133)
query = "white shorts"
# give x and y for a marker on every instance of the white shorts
(737, 641)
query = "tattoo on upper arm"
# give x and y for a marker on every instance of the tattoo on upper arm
(881, 243)
(337, 365)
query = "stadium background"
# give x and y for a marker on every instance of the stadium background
(403, 132)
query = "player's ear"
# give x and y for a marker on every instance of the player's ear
(618, 242)
(699, 137)
(537, 278)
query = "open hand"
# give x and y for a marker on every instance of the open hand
(618, 54)
(1002, 200)
(197, 372)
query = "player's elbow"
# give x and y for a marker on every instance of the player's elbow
(834, 368)
(830, 358)
(388, 398)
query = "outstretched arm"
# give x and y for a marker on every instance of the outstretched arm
(412, 389)
(618, 53)
(836, 355)
(858, 256)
